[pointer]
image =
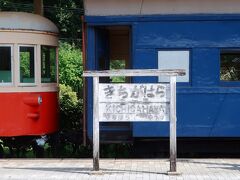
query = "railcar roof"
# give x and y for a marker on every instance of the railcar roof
(26, 21)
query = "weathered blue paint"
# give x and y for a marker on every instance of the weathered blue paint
(191, 34)
(100, 20)
(97, 50)
(206, 107)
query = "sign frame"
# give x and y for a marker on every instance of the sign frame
(172, 73)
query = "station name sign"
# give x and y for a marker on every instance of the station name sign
(133, 102)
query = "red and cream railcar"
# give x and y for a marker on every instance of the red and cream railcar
(28, 75)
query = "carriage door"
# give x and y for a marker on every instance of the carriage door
(113, 52)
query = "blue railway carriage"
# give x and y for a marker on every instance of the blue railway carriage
(202, 37)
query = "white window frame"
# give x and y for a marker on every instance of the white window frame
(12, 64)
(35, 65)
(56, 61)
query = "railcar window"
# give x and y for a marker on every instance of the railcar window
(174, 59)
(5, 65)
(27, 70)
(230, 66)
(48, 64)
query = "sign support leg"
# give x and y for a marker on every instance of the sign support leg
(95, 124)
(173, 144)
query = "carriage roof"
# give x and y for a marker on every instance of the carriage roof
(26, 21)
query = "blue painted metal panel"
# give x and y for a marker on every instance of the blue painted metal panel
(144, 59)
(196, 113)
(227, 122)
(199, 105)
(206, 107)
(188, 34)
(205, 67)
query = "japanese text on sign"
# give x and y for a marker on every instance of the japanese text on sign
(133, 102)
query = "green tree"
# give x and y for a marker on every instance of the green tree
(70, 66)
(70, 109)
(14, 5)
(66, 14)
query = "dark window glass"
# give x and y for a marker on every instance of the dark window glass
(48, 64)
(27, 71)
(5, 65)
(230, 66)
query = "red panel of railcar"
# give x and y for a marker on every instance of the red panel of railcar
(28, 113)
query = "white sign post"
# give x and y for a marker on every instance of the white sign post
(134, 102)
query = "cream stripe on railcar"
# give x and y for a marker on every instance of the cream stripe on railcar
(10, 89)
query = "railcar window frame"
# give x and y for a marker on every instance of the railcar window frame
(12, 64)
(56, 65)
(35, 65)
(228, 82)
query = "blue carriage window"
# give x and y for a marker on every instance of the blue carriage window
(230, 66)
(5, 64)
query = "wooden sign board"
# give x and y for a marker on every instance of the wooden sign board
(133, 102)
